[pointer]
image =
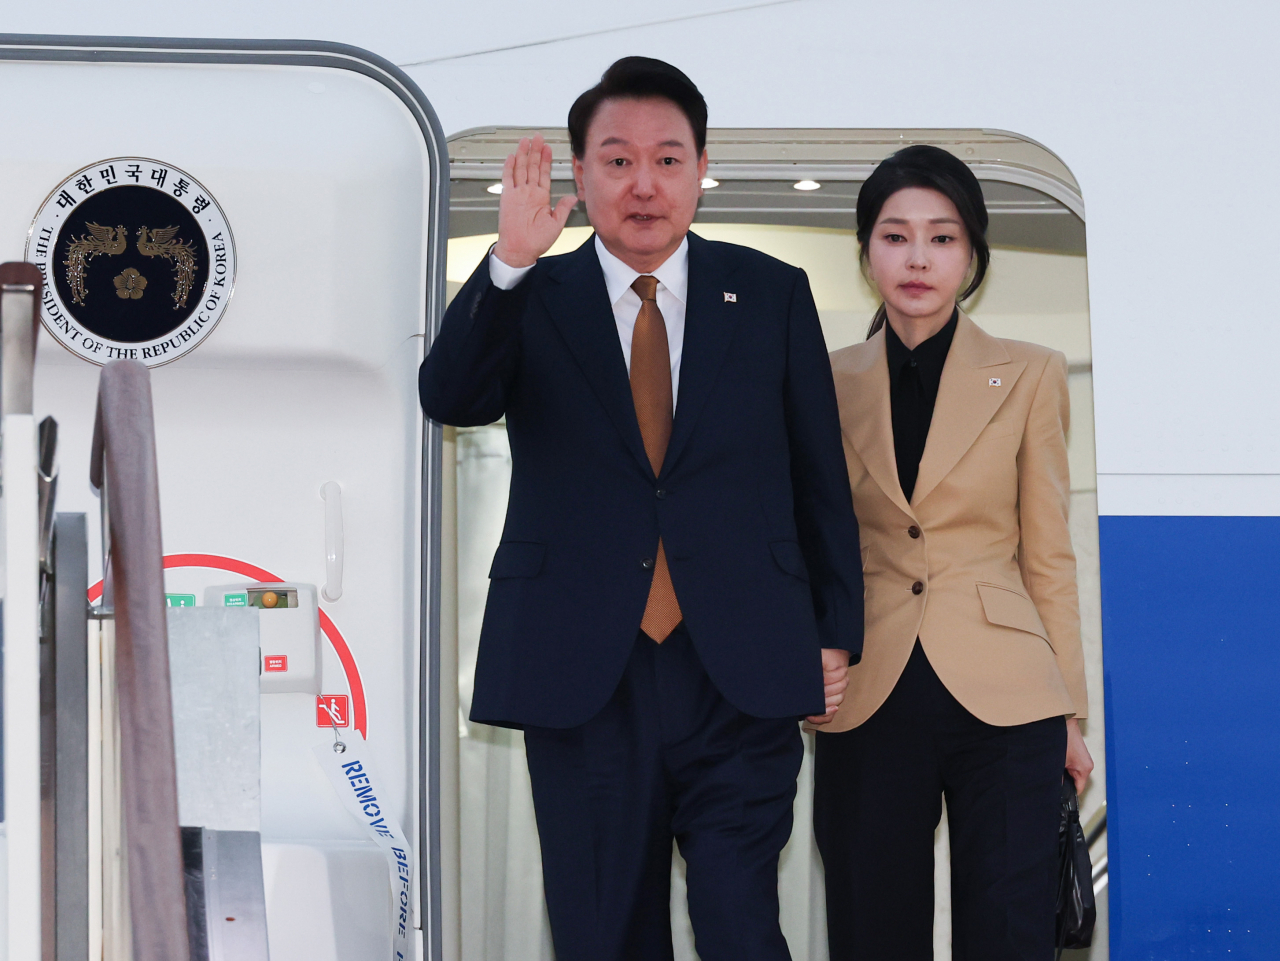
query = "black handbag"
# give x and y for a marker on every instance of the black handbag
(1077, 910)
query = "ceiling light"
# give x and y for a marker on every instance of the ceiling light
(494, 188)
(806, 185)
(708, 183)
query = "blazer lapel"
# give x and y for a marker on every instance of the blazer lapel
(976, 379)
(869, 424)
(578, 302)
(709, 326)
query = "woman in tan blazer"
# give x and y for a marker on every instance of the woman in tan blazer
(972, 677)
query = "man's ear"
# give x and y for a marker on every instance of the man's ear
(577, 180)
(702, 166)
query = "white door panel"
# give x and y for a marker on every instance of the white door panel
(324, 169)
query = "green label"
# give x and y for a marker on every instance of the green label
(179, 600)
(235, 600)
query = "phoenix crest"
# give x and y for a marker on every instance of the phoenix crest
(163, 242)
(81, 250)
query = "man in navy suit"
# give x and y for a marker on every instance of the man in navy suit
(679, 577)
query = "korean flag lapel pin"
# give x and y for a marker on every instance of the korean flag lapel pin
(993, 382)
(730, 298)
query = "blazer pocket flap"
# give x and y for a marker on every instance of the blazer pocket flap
(518, 559)
(997, 429)
(789, 558)
(1008, 608)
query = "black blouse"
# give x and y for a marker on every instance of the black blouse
(914, 376)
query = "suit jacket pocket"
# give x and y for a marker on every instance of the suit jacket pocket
(518, 559)
(789, 558)
(1010, 608)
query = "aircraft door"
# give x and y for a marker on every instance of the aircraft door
(262, 225)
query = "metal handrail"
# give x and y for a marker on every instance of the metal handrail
(1097, 825)
(20, 286)
(123, 470)
(1094, 831)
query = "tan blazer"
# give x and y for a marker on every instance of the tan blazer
(985, 536)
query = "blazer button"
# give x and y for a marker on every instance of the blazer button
(917, 588)
(647, 564)
(913, 531)
(660, 493)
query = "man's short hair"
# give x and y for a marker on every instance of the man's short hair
(639, 78)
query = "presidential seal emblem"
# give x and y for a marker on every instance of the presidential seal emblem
(138, 261)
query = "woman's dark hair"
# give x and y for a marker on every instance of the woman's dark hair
(924, 165)
(639, 78)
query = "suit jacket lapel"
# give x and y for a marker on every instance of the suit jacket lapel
(967, 400)
(869, 425)
(578, 302)
(709, 326)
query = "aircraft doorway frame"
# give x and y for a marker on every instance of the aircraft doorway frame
(1036, 207)
(75, 49)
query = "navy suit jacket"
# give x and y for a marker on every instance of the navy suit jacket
(752, 502)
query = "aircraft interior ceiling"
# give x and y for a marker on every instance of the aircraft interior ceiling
(1020, 216)
(755, 173)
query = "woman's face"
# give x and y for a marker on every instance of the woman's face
(919, 253)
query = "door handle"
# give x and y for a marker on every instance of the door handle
(333, 547)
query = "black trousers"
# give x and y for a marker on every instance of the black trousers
(667, 757)
(878, 793)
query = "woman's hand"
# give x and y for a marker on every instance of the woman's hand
(835, 678)
(527, 223)
(1079, 760)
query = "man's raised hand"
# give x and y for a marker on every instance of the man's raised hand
(527, 223)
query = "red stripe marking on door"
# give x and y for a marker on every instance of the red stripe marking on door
(245, 569)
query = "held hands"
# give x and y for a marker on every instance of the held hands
(835, 678)
(527, 223)
(1079, 761)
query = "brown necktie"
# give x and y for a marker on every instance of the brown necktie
(651, 392)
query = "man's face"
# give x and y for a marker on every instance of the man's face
(640, 176)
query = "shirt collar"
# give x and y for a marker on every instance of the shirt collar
(932, 352)
(673, 274)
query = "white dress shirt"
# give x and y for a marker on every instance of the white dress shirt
(673, 294)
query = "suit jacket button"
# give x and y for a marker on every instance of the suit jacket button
(917, 588)
(661, 493)
(913, 531)
(647, 564)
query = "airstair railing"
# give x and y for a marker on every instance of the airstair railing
(20, 285)
(123, 469)
(1094, 832)
(21, 803)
